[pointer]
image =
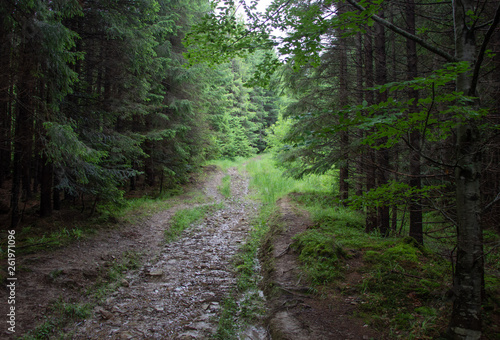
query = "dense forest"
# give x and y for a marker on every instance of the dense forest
(398, 100)
(95, 95)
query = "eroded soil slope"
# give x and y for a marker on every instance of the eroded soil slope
(295, 313)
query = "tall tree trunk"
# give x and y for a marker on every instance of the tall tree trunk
(24, 108)
(23, 137)
(371, 213)
(46, 188)
(343, 102)
(360, 154)
(149, 169)
(382, 154)
(5, 118)
(469, 269)
(16, 184)
(416, 230)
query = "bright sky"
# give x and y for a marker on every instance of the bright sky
(262, 5)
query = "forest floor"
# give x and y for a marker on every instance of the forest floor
(177, 289)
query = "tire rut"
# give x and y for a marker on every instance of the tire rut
(178, 294)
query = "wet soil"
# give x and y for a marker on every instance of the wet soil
(175, 294)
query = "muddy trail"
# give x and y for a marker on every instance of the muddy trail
(176, 293)
(178, 289)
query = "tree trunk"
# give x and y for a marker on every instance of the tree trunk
(46, 188)
(23, 136)
(416, 230)
(382, 154)
(5, 118)
(360, 166)
(469, 269)
(371, 213)
(343, 102)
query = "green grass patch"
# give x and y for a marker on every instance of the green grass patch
(225, 187)
(32, 239)
(227, 327)
(271, 185)
(62, 314)
(185, 218)
(135, 209)
(246, 304)
(225, 164)
(404, 284)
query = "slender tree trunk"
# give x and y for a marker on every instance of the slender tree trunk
(21, 145)
(371, 212)
(359, 99)
(16, 185)
(20, 136)
(469, 269)
(149, 169)
(382, 154)
(38, 130)
(343, 102)
(27, 140)
(46, 188)
(5, 118)
(415, 181)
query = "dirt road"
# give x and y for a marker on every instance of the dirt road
(176, 292)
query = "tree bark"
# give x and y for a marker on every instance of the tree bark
(343, 102)
(360, 168)
(416, 230)
(22, 140)
(469, 269)
(382, 154)
(5, 118)
(46, 188)
(371, 212)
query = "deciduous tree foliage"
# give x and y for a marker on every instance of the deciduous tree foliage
(422, 102)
